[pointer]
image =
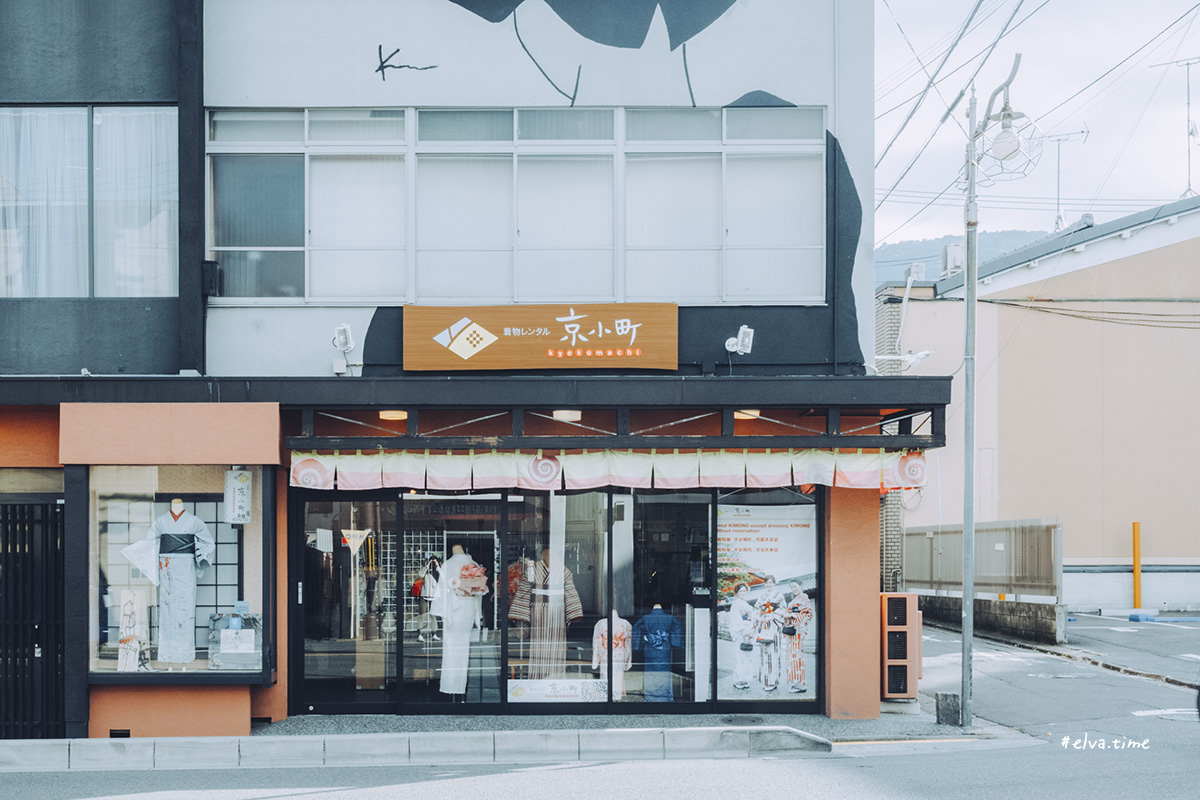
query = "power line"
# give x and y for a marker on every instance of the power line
(962, 32)
(1122, 61)
(937, 127)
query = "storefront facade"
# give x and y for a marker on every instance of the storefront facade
(559, 314)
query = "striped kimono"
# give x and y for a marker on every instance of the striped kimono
(548, 605)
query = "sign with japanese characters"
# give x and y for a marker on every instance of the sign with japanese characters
(566, 336)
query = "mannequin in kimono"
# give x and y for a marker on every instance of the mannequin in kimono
(463, 583)
(185, 547)
(622, 653)
(654, 635)
(548, 603)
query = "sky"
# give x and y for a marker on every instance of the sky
(1135, 155)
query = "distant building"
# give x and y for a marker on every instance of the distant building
(1087, 379)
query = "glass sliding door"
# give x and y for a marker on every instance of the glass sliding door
(662, 571)
(451, 648)
(559, 623)
(348, 602)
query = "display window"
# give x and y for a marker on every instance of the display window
(431, 600)
(176, 571)
(767, 595)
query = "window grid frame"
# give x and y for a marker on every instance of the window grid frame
(618, 148)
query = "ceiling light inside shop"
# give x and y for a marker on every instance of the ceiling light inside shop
(747, 413)
(393, 414)
(567, 415)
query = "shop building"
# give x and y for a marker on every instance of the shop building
(562, 313)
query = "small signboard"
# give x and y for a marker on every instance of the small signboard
(567, 336)
(239, 485)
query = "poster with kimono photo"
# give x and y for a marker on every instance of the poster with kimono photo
(767, 585)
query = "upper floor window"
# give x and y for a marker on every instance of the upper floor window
(500, 205)
(89, 201)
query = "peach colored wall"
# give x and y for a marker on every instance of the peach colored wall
(852, 656)
(271, 702)
(28, 436)
(169, 433)
(170, 710)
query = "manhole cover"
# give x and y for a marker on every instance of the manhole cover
(741, 720)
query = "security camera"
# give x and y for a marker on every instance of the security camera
(342, 339)
(742, 343)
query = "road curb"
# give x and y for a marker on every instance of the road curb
(400, 749)
(1075, 655)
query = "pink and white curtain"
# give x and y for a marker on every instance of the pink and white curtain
(592, 470)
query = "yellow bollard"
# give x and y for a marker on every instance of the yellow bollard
(1137, 565)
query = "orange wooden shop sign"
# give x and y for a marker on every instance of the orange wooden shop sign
(557, 336)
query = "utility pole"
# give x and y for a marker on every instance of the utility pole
(971, 280)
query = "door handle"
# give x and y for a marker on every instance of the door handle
(299, 593)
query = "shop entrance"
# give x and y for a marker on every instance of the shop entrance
(553, 602)
(31, 609)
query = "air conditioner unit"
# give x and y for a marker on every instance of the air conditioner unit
(954, 258)
(916, 271)
(901, 649)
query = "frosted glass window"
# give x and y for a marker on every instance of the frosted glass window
(673, 275)
(261, 273)
(356, 124)
(673, 200)
(356, 201)
(767, 274)
(258, 201)
(565, 226)
(565, 124)
(135, 156)
(686, 124)
(248, 125)
(465, 126)
(356, 273)
(775, 123)
(775, 200)
(464, 226)
(43, 202)
(565, 201)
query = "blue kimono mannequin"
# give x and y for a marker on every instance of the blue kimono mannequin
(654, 635)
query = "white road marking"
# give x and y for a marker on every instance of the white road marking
(1176, 625)
(1162, 712)
(1051, 675)
(1124, 630)
(1189, 656)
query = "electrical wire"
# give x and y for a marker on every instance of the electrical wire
(963, 65)
(962, 32)
(937, 127)
(1122, 61)
(902, 225)
(913, 50)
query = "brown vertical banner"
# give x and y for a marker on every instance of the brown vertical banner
(556, 336)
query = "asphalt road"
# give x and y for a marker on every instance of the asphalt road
(1054, 713)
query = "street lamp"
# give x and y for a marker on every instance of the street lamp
(1006, 147)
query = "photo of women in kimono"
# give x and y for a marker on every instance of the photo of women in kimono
(768, 628)
(741, 630)
(797, 615)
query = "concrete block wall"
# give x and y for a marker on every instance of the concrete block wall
(1036, 622)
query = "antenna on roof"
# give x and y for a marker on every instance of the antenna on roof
(1078, 136)
(1186, 63)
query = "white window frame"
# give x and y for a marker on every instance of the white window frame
(411, 150)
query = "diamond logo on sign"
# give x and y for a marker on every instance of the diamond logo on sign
(465, 338)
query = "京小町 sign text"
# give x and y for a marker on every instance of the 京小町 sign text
(556, 336)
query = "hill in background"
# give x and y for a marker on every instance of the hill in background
(892, 259)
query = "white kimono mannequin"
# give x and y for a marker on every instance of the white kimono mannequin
(458, 604)
(185, 548)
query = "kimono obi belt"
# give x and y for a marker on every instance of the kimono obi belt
(177, 543)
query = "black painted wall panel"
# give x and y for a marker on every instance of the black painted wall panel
(61, 336)
(88, 51)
